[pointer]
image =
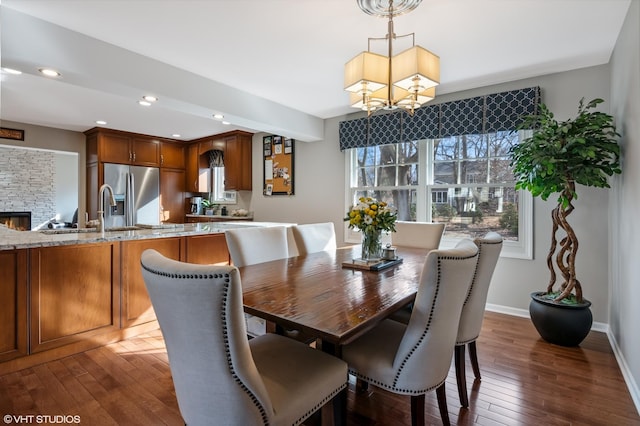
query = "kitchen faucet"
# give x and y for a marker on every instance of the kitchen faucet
(112, 201)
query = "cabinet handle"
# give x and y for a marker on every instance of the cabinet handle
(134, 156)
(161, 159)
(130, 156)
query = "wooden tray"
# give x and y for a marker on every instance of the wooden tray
(371, 266)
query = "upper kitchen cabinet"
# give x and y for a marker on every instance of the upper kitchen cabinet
(236, 146)
(237, 162)
(172, 155)
(113, 146)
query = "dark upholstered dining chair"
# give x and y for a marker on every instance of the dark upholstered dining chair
(414, 358)
(220, 376)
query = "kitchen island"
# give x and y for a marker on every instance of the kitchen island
(66, 291)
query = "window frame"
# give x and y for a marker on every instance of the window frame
(520, 249)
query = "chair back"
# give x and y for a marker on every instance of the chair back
(314, 237)
(424, 355)
(199, 309)
(251, 245)
(489, 248)
(418, 234)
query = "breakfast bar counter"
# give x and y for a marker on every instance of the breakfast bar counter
(66, 291)
(11, 239)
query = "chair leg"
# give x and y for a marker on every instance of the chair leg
(461, 377)
(340, 408)
(442, 404)
(473, 356)
(417, 410)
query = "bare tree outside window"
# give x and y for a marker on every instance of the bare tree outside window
(468, 182)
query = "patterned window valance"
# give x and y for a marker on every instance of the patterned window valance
(482, 114)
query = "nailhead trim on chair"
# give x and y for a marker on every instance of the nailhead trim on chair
(473, 283)
(225, 332)
(422, 336)
(319, 405)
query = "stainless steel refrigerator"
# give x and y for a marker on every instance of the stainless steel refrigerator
(137, 193)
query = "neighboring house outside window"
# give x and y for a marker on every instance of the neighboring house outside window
(464, 181)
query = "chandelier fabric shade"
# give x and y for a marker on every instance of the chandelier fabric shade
(416, 67)
(406, 80)
(366, 73)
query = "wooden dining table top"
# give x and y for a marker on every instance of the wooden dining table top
(317, 295)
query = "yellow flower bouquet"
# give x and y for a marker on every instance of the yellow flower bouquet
(371, 217)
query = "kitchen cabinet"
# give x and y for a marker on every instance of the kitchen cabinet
(136, 304)
(197, 170)
(211, 143)
(207, 249)
(172, 155)
(125, 148)
(172, 200)
(75, 293)
(236, 146)
(237, 162)
(114, 146)
(13, 304)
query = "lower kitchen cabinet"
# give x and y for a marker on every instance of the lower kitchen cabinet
(75, 293)
(13, 304)
(136, 305)
(207, 249)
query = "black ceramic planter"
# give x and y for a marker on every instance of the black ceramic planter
(565, 325)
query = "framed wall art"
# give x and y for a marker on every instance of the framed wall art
(279, 156)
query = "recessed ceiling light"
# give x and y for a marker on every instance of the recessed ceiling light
(226, 123)
(49, 72)
(149, 98)
(218, 116)
(101, 122)
(176, 135)
(144, 103)
(11, 71)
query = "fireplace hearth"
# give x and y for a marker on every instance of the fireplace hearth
(20, 221)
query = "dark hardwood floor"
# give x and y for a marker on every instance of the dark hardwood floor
(525, 381)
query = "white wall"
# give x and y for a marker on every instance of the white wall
(625, 203)
(320, 196)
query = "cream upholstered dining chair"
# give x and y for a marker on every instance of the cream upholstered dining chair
(220, 376)
(415, 234)
(414, 358)
(489, 248)
(314, 237)
(418, 234)
(251, 245)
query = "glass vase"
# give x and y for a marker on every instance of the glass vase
(371, 245)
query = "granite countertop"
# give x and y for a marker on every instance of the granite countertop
(11, 239)
(218, 216)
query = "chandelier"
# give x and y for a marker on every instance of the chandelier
(406, 80)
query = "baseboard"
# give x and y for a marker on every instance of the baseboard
(524, 313)
(634, 390)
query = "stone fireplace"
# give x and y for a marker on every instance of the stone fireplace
(27, 179)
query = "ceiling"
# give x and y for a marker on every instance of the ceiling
(267, 65)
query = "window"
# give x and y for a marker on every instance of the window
(464, 181)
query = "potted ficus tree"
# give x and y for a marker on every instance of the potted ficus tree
(557, 157)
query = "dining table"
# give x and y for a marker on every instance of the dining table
(331, 298)
(319, 296)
